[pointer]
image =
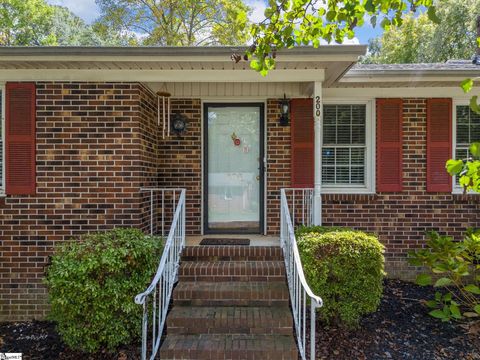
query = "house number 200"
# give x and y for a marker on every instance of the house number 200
(318, 106)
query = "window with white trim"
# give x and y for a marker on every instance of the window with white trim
(346, 147)
(467, 131)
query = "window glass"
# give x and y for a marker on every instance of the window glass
(467, 131)
(344, 145)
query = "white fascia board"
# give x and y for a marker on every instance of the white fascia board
(399, 92)
(184, 59)
(180, 54)
(290, 75)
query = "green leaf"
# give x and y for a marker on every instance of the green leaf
(432, 15)
(454, 166)
(439, 314)
(369, 6)
(431, 304)
(474, 104)
(256, 65)
(455, 311)
(443, 282)
(424, 280)
(475, 149)
(467, 85)
(331, 15)
(473, 289)
(477, 309)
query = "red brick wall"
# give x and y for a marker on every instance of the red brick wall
(92, 157)
(401, 219)
(278, 164)
(97, 144)
(181, 161)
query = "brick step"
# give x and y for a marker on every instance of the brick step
(230, 293)
(232, 253)
(230, 346)
(232, 271)
(230, 320)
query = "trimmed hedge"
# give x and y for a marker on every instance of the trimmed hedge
(92, 284)
(344, 267)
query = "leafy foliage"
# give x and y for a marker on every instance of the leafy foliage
(345, 268)
(458, 264)
(25, 22)
(178, 22)
(308, 22)
(92, 284)
(405, 44)
(421, 40)
(468, 170)
(302, 22)
(36, 23)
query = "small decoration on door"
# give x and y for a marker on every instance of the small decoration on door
(235, 139)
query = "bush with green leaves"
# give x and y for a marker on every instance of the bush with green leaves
(456, 268)
(345, 268)
(92, 284)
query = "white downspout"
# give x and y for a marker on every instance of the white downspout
(317, 117)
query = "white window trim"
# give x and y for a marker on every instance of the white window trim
(369, 187)
(2, 149)
(456, 189)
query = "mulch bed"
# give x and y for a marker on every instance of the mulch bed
(400, 329)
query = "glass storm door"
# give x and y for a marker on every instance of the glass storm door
(233, 168)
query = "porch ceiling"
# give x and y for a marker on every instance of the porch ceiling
(181, 64)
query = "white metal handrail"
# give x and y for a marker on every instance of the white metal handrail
(299, 290)
(300, 205)
(156, 298)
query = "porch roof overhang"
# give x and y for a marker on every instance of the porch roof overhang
(172, 64)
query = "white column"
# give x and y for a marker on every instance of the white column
(317, 117)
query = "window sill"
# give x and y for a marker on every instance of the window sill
(459, 191)
(347, 191)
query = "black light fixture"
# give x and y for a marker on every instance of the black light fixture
(285, 106)
(179, 123)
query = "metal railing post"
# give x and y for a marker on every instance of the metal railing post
(161, 287)
(297, 284)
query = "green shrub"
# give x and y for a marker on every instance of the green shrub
(457, 266)
(345, 268)
(92, 284)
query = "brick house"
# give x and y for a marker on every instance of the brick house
(83, 130)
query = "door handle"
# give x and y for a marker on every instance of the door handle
(262, 165)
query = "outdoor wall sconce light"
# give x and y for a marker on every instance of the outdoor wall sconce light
(179, 123)
(285, 104)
